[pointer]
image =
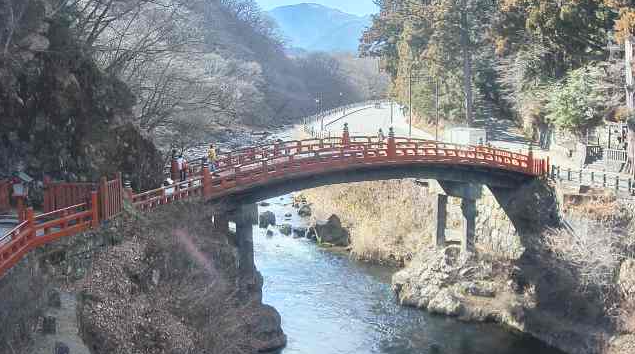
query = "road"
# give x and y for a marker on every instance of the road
(369, 121)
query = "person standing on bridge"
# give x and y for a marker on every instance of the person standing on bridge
(381, 136)
(181, 165)
(212, 157)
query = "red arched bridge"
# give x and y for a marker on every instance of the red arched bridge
(256, 173)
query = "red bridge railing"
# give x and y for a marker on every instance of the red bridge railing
(249, 168)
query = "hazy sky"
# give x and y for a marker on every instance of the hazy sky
(358, 7)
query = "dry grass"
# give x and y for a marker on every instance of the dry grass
(387, 219)
(592, 252)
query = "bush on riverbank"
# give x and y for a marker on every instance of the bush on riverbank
(388, 220)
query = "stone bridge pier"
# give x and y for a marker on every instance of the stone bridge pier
(245, 216)
(468, 193)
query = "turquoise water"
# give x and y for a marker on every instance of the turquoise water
(333, 305)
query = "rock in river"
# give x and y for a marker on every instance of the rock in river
(332, 232)
(305, 211)
(267, 218)
(285, 229)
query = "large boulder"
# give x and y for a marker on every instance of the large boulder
(299, 232)
(627, 278)
(305, 211)
(285, 229)
(332, 232)
(267, 218)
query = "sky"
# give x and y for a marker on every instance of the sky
(357, 7)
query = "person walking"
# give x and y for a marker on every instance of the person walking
(380, 135)
(212, 158)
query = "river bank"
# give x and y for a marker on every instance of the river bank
(521, 275)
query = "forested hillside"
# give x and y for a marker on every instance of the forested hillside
(542, 62)
(89, 87)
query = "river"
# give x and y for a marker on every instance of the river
(331, 304)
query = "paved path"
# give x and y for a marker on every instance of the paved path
(67, 329)
(369, 121)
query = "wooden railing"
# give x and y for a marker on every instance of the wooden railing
(35, 231)
(58, 195)
(248, 168)
(110, 197)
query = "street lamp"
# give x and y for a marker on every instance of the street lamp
(341, 101)
(319, 112)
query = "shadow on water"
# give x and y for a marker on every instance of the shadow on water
(333, 305)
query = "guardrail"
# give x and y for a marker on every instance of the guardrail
(593, 179)
(615, 155)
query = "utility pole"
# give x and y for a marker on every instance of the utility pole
(391, 110)
(436, 106)
(410, 102)
(628, 48)
(318, 107)
(628, 61)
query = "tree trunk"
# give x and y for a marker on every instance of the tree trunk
(631, 146)
(629, 103)
(467, 64)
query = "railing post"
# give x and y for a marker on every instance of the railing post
(20, 205)
(30, 219)
(47, 196)
(392, 145)
(207, 181)
(104, 197)
(94, 208)
(174, 170)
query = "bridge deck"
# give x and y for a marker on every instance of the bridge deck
(267, 165)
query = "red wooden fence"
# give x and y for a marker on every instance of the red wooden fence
(5, 196)
(59, 195)
(110, 197)
(39, 230)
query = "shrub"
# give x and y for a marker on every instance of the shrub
(576, 104)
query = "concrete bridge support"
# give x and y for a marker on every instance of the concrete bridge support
(468, 232)
(245, 218)
(468, 193)
(441, 217)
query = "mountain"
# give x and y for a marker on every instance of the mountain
(316, 27)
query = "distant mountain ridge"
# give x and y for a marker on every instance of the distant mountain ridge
(315, 27)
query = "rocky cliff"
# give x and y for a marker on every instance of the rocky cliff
(60, 114)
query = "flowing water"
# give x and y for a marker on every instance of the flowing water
(333, 305)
